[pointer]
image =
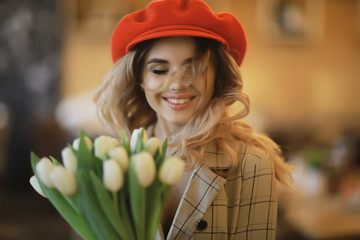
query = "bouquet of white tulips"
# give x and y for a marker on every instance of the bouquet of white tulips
(109, 189)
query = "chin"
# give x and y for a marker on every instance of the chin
(177, 121)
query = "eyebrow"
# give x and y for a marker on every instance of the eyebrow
(159, 60)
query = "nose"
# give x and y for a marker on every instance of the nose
(179, 84)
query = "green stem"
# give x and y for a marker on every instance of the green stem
(127, 219)
(137, 202)
(115, 201)
(72, 201)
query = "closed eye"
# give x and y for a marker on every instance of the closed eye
(159, 72)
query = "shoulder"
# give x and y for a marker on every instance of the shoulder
(249, 159)
(254, 160)
(255, 175)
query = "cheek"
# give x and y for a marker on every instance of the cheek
(152, 83)
(152, 98)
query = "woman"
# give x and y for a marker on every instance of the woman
(176, 72)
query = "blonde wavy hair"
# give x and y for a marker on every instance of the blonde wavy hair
(122, 104)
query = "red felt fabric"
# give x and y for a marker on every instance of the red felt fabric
(165, 18)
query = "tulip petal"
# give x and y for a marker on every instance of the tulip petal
(120, 223)
(69, 159)
(66, 209)
(153, 144)
(64, 180)
(76, 143)
(43, 169)
(171, 170)
(121, 156)
(135, 142)
(113, 177)
(144, 166)
(35, 184)
(103, 144)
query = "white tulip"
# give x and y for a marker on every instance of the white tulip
(35, 184)
(171, 170)
(43, 169)
(64, 180)
(103, 144)
(144, 166)
(152, 144)
(135, 136)
(120, 154)
(76, 143)
(69, 159)
(113, 176)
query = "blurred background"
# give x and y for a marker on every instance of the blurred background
(301, 71)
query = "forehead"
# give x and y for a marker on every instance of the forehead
(173, 48)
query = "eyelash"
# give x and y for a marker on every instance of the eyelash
(159, 72)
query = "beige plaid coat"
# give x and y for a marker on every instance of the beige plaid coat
(240, 206)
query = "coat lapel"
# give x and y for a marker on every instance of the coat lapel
(200, 192)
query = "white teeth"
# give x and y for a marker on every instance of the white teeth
(178, 101)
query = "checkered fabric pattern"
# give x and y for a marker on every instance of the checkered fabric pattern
(240, 206)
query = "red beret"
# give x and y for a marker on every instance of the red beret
(166, 18)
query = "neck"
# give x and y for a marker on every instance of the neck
(164, 129)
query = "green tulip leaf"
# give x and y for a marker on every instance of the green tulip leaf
(134, 212)
(91, 209)
(153, 208)
(55, 162)
(65, 209)
(125, 143)
(137, 202)
(124, 203)
(121, 225)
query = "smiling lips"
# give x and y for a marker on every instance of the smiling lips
(178, 103)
